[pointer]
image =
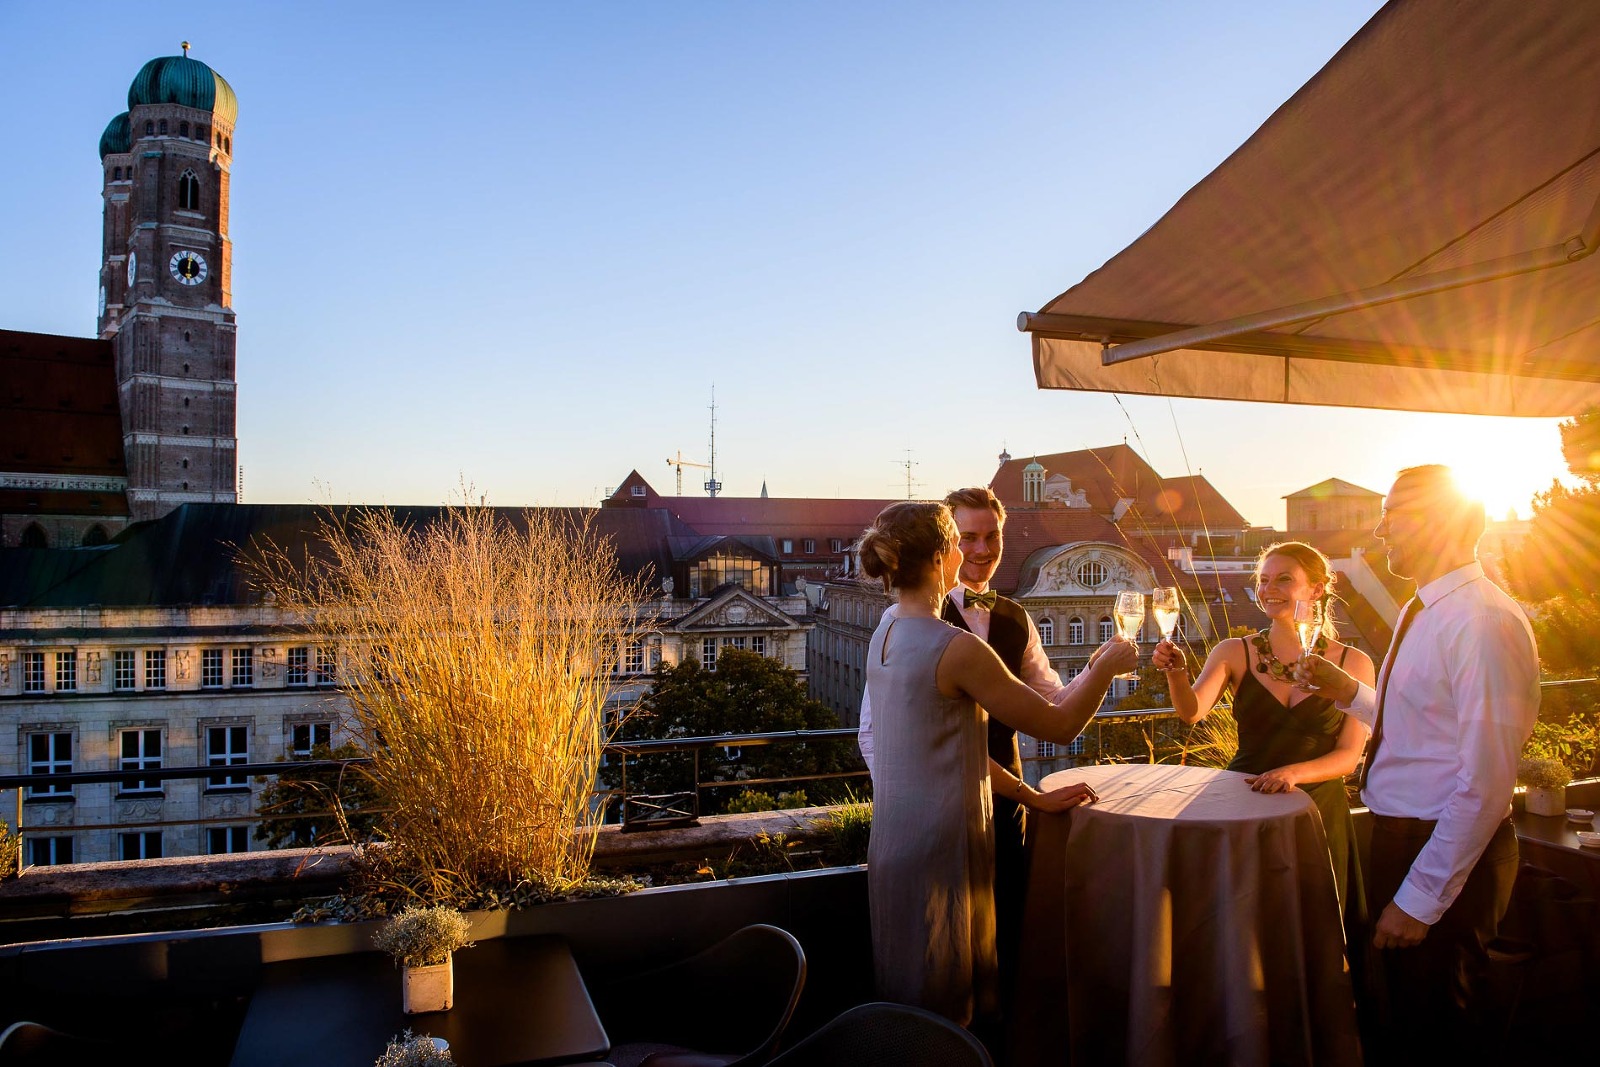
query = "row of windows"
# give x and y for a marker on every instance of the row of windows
(159, 127)
(219, 668)
(140, 749)
(33, 536)
(1076, 632)
(48, 851)
(808, 545)
(709, 645)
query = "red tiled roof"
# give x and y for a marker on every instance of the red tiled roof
(58, 406)
(1107, 475)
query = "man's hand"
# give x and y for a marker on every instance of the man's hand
(1058, 800)
(1116, 656)
(1311, 671)
(1396, 929)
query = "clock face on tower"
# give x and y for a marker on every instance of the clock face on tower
(188, 267)
(133, 268)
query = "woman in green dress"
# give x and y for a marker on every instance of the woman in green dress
(1288, 737)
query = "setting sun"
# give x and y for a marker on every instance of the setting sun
(1502, 462)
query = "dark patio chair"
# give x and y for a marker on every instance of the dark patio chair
(887, 1035)
(27, 1044)
(725, 1006)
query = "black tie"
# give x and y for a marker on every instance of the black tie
(1413, 608)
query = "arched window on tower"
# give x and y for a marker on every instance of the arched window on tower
(33, 537)
(183, 129)
(149, 128)
(163, 127)
(95, 535)
(116, 174)
(189, 191)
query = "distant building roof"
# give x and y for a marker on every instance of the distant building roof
(1331, 487)
(793, 517)
(191, 556)
(1107, 476)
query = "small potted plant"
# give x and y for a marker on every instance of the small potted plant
(1546, 780)
(416, 1050)
(421, 941)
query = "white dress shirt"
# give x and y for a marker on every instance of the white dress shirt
(1462, 698)
(1037, 674)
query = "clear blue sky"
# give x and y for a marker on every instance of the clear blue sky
(518, 243)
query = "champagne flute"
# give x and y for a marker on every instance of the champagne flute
(1164, 604)
(1129, 613)
(1308, 626)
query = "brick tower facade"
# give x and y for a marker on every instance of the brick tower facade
(166, 285)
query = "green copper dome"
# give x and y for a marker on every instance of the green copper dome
(118, 136)
(185, 81)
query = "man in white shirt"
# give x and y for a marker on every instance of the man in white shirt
(1456, 700)
(1010, 631)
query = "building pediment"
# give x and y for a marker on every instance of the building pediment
(1089, 569)
(733, 609)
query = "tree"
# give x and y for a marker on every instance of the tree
(1556, 571)
(332, 806)
(748, 693)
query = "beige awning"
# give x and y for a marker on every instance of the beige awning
(1412, 230)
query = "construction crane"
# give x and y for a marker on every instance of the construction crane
(681, 463)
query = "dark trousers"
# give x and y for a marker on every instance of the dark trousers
(1419, 997)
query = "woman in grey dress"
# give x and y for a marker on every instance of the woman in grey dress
(930, 864)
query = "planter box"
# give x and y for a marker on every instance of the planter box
(430, 988)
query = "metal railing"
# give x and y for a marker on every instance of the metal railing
(654, 810)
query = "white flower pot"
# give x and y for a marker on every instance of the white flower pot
(431, 988)
(1542, 801)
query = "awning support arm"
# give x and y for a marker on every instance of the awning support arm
(1579, 247)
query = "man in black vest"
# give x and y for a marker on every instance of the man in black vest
(1002, 622)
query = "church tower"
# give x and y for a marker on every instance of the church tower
(166, 284)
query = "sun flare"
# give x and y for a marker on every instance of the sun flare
(1502, 462)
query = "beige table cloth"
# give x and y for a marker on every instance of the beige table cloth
(1181, 919)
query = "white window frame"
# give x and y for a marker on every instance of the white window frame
(67, 671)
(1108, 629)
(54, 846)
(1075, 630)
(234, 750)
(327, 666)
(33, 672)
(124, 670)
(242, 668)
(708, 653)
(1047, 631)
(211, 668)
(312, 729)
(56, 758)
(758, 644)
(155, 668)
(297, 665)
(228, 837)
(141, 759)
(143, 844)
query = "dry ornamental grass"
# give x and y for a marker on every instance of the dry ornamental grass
(476, 653)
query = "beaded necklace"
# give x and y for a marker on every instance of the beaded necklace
(1268, 663)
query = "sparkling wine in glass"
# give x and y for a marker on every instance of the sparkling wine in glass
(1308, 626)
(1129, 613)
(1164, 604)
(1307, 623)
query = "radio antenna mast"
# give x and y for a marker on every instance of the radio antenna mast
(713, 487)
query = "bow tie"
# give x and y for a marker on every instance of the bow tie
(984, 600)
